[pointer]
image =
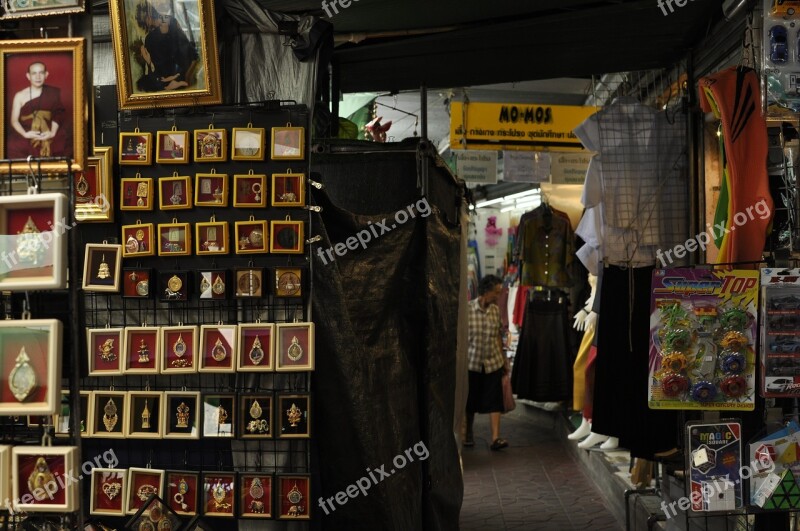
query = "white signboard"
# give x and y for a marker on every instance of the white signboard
(478, 167)
(526, 167)
(568, 168)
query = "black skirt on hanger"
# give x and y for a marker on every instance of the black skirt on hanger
(543, 364)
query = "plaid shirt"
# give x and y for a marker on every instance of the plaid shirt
(484, 351)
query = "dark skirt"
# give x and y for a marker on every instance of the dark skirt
(620, 406)
(543, 362)
(485, 392)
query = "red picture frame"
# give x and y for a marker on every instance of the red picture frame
(255, 496)
(217, 348)
(182, 489)
(219, 494)
(142, 350)
(294, 497)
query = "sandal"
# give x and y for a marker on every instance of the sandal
(499, 444)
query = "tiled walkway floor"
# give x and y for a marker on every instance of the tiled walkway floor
(532, 485)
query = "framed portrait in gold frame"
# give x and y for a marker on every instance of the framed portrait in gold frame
(286, 237)
(137, 240)
(175, 193)
(251, 236)
(43, 75)
(94, 200)
(210, 145)
(250, 190)
(172, 147)
(288, 189)
(101, 267)
(211, 237)
(211, 189)
(288, 143)
(194, 73)
(136, 193)
(174, 239)
(247, 143)
(135, 148)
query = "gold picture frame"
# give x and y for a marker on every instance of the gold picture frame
(145, 410)
(294, 347)
(210, 145)
(293, 419)
(172, 147)
(54, 68)
(288, 189)
(135, 148)
(109, 488)
(175, 193)
(178, 349)
(107, 414)
(288, 282)
(194, 81)
(14, 9)
(174, 239)
(211, 237)
(30, 350)
(256, 347)
(142, 482)
(286, 237)
(142, 350)
(211, 189)
(137, 240)
(182, 415)
(251, 236)
(35, 467)
(217, 351)
(136, 193)
(94, 198)
(247, 143)
(250, 190)
(101, 267)
(33, 228)
(105, 349)
(288, 143)
(219, 415)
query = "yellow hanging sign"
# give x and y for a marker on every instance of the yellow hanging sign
(510, 126)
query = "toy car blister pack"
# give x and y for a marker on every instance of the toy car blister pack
(702, 339)
(781, 58)
(780, 333)
(715, 460)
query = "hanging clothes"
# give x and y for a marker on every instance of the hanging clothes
(734, 97)
(545, 248)
(543, 361)
(542, 367)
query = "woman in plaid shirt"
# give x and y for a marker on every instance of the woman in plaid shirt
(486, 361)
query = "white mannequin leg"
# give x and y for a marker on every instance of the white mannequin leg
(611, 444)
(592, 440)
(581, 431)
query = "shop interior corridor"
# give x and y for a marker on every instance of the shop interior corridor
(534, 484)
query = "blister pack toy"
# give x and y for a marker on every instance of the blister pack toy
(715, 461)
(774, 467)
(781, 57)
(702, 339)
(780, 333)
